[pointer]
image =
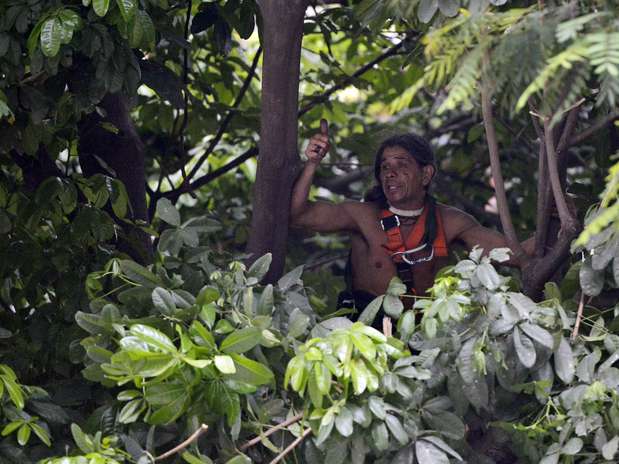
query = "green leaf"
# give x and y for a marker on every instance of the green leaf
(208, 314)
(241, 340)
(537, 333)
(50, 37)
(364, 344)
(428, 453)
(23, 434)
(163, 301)
(131, 411)
(240, 459)
(377, 407)
(153, 337)
(344, 422)
(466, 362)
(488, 276)
(127, 10)
(83, 441)
(166, 211)
(225, 364)
(15, 391)
(260, 267)
(101, 7)
(426, 10)
(591, 281)
(371, 310)
(290, 279)
(393, 306)
(11, 427)
(572, 447)
(380, 436)
(359, 375)
(298, 323)
(610, 448)
(250, 371)
(524, 348)
(41, 433)
(439, 443)
(265, 303)
(564, 361)
(396, 429)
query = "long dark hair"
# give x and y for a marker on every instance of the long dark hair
(415, 145)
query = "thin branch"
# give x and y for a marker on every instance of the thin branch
(581, 306)
(567, 220)
(495, 166)
(291, 446)
(601, 124)
(177, 449)
(543, 192)
(272, 430)
(383, 56)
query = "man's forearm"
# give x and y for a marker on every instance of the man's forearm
(300, 191)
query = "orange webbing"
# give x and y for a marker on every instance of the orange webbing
(395, 242)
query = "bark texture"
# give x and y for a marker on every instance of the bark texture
(282, 33)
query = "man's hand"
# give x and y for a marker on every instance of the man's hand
(318, 145)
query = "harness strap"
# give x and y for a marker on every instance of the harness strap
(427, 236)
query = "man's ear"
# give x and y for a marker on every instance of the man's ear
(427, 174)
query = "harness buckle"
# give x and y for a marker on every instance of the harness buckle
(390, 222)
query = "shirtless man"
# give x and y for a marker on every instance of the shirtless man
(380, 230)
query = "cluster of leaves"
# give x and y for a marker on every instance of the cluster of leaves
(599, 241)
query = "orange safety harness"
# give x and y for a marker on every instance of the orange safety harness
(425, 242)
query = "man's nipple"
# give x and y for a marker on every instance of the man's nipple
(378, 264)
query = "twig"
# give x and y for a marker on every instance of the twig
(291, 446)
(194, 436)
(581, 306)
(274, 429)
(495, 165)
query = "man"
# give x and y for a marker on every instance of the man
(402, 231)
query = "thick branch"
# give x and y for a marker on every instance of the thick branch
(543, 193)
(495, 166)
(568, 222)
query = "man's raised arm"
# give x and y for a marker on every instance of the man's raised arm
(318, 216)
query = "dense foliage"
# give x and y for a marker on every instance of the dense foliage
(129, 319)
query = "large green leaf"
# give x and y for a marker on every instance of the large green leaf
(250, 371)
(344, 422)
(50, 37)
(428, 453)
(241, 340)
(101, 7)
(524, 348)
(153, 338)
(127, 10)
(166, 211)
(537, 333)
(564, 361)
(380, 436)
(395, 427)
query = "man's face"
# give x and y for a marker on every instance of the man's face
(403, 179)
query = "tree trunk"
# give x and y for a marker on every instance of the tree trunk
(123, 152)
(282, 33)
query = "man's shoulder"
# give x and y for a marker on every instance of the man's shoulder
(449, 212)
(456, 221)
